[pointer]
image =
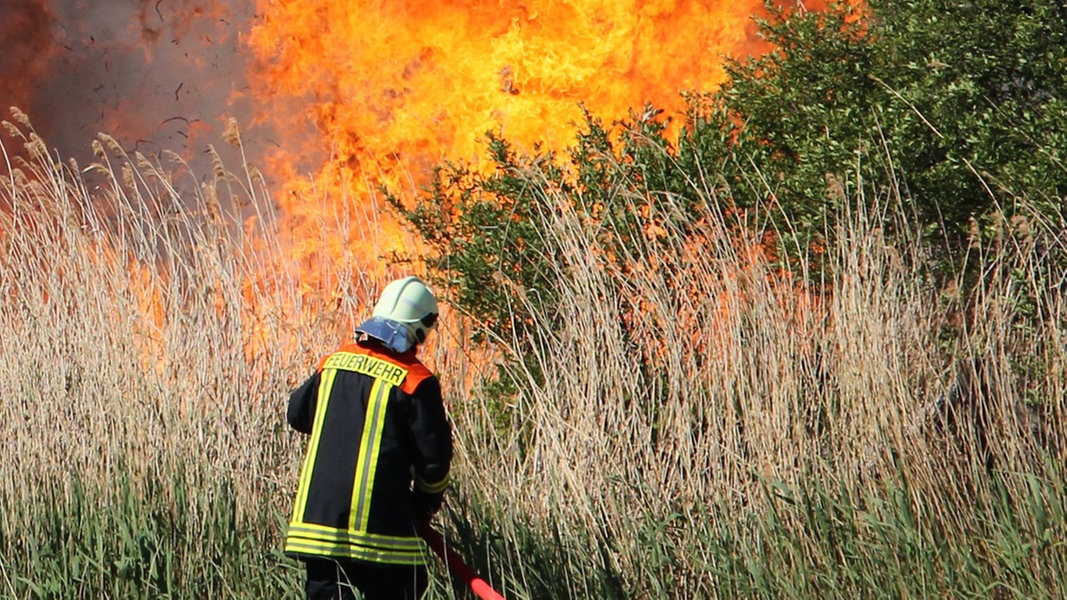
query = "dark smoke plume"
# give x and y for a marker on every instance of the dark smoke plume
(155, 74)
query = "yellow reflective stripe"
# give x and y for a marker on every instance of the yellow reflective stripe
(336, 550)
(368, 365)
(312, 531)
(369, 447)
(431, 488)
(325, 386)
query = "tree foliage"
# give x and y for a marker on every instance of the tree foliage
(960, 104)
(958, 107)
(487, 232)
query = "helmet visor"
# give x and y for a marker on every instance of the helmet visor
(396, 336)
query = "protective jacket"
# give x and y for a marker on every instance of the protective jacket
(378, 455)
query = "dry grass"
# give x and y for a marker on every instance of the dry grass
(650, 446)
(147, 332)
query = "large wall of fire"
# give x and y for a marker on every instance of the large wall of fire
(423, 80)
(366, 85)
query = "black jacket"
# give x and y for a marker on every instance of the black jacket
(377, 459)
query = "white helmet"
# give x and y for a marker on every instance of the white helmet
(410, 302)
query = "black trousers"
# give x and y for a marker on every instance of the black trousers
(330, 579)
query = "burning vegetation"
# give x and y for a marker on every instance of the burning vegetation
(340, 98)
(797, 333)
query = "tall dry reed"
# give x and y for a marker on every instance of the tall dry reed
(658, 436)
(738, 431)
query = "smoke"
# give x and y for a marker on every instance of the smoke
(24, 31)
(155, 74)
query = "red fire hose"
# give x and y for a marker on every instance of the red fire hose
(456, 565)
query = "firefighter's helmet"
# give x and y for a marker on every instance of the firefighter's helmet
(408, 301)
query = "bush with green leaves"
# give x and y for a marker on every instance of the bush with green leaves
(956, 107)
(960, 104)
(489, 247)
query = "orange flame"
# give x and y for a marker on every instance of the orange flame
(397, 87)
(386, 90)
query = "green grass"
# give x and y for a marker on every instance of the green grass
(810, 543)
(187, 543)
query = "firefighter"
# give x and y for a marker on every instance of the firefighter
(378, 455)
